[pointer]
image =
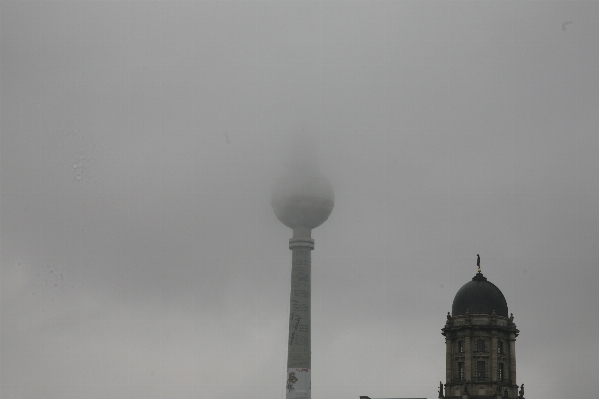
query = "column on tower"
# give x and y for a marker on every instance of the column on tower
(468, 357)
(512, 342)
(448, 359)
(493, 366)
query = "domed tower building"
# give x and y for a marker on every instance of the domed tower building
(480, 341)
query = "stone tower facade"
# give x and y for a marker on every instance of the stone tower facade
(480, 343)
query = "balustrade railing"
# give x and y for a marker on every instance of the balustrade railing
(502, 323)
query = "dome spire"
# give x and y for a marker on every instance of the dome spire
(478, 262)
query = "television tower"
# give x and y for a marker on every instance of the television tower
(302, 199)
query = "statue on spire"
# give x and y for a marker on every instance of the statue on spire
(478, 262)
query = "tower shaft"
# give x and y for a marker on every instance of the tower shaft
(299, 343)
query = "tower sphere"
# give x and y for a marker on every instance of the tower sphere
(302, 198)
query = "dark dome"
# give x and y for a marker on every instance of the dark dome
(479, 296)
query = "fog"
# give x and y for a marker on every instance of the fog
(140, 141)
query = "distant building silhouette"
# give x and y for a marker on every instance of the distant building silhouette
(480, 339)
(480, 343)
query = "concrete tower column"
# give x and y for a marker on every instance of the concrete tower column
(299, 346)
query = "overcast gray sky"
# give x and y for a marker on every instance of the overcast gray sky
(140, 257)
